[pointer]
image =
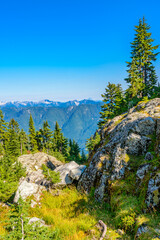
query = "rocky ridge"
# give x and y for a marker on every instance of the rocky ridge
(129, 147)
(127, 134)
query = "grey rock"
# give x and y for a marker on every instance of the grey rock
(142, 229)
(64, 171)
(146, 126)
(76, 172)
(148, 156)
(34, 162)
(153, 191)
(100, 191)
(35, 220)
(27, 189)
(142, 170)
(137, 144)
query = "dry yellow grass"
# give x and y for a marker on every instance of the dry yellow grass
(3, 218)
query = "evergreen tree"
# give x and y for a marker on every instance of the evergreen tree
(39, 139)
(23, 141)
(135, 80)
(74, 151)
(60, 143)
(32, 135)
(141, 73)
(113, 103)
(13, 144)
(46, 135)
(3, 128)
(83, 157)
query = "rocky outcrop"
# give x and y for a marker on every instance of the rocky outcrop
(34, 162)
(35, 182)
(129, 134)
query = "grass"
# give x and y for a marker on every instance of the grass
(74, 216)
(3, 218)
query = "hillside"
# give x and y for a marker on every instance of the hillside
(78, 119)
(124, 170)
(115, 196)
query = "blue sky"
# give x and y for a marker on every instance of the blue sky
(65, 50)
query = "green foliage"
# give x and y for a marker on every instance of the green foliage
(59, 156)
(32, 135)
(92, 142)
(3, 128)
(142, 77)
(1, 149)
(23, 138)
(52, 176)
(60, 143)
(13, 143)
(74, 152)
(10, 173)
(79, 122)
(44, 137)
(18, 226)
(113, 103)
(83, 157)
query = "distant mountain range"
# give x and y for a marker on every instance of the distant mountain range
(46, 103)
(78, 119)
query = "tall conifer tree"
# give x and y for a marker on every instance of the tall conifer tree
(113, 101)
(47, 135)
(3, 128)
(32, 135)
(141, 72)
(23, 141)
(60, 143)
(13, 144)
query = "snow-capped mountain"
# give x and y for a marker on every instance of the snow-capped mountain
(45, 103)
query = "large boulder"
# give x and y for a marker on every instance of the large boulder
(33, 164)
(69, 172)
(35, 161)
(27, 189)
(76, 172)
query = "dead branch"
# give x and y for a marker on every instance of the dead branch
(101, 223)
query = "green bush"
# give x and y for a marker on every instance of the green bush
(59, 156)
(52, 176)
(92, 142)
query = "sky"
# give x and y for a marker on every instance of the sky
(65, 50)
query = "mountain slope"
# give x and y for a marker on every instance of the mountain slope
(124, 169)
(78, 120)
